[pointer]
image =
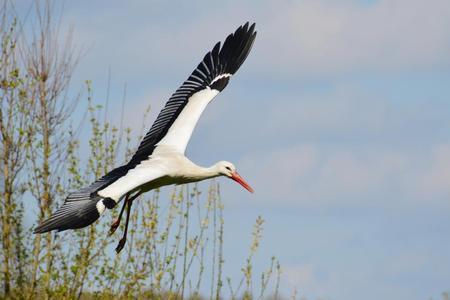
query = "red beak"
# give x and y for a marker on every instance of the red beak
(236, 177)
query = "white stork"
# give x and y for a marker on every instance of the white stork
(159, 159)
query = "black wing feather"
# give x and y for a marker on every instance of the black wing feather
(80, 208)
(218, 61)
(72, 215)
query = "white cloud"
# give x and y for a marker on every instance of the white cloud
(330, 37)
(345, 110)
(314, 175)
(296, 38)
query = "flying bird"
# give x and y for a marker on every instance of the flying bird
(159, 159)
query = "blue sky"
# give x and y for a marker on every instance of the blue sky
(339, 118)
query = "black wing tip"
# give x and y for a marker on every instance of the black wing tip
(237, 46)
(40, 229)
(247, 29)
(224, 58)
(71, 215)
(44, 228)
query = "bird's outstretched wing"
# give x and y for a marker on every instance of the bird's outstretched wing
(83, 207)
(176, 121)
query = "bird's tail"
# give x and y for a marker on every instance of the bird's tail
(73, 214)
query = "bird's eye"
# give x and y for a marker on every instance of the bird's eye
(228, 168)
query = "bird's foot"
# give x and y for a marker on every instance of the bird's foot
(120, 245)
(114, 226)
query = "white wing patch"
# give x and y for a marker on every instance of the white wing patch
(181, 130)
(220, 77)
(146, 171)
(100, 207)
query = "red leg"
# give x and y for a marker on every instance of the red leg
(123, 240)
(116, 222)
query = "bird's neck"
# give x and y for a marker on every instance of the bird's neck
(195, 172)
(188, 171)
(207, 172)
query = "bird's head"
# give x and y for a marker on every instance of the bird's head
(229, 170)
